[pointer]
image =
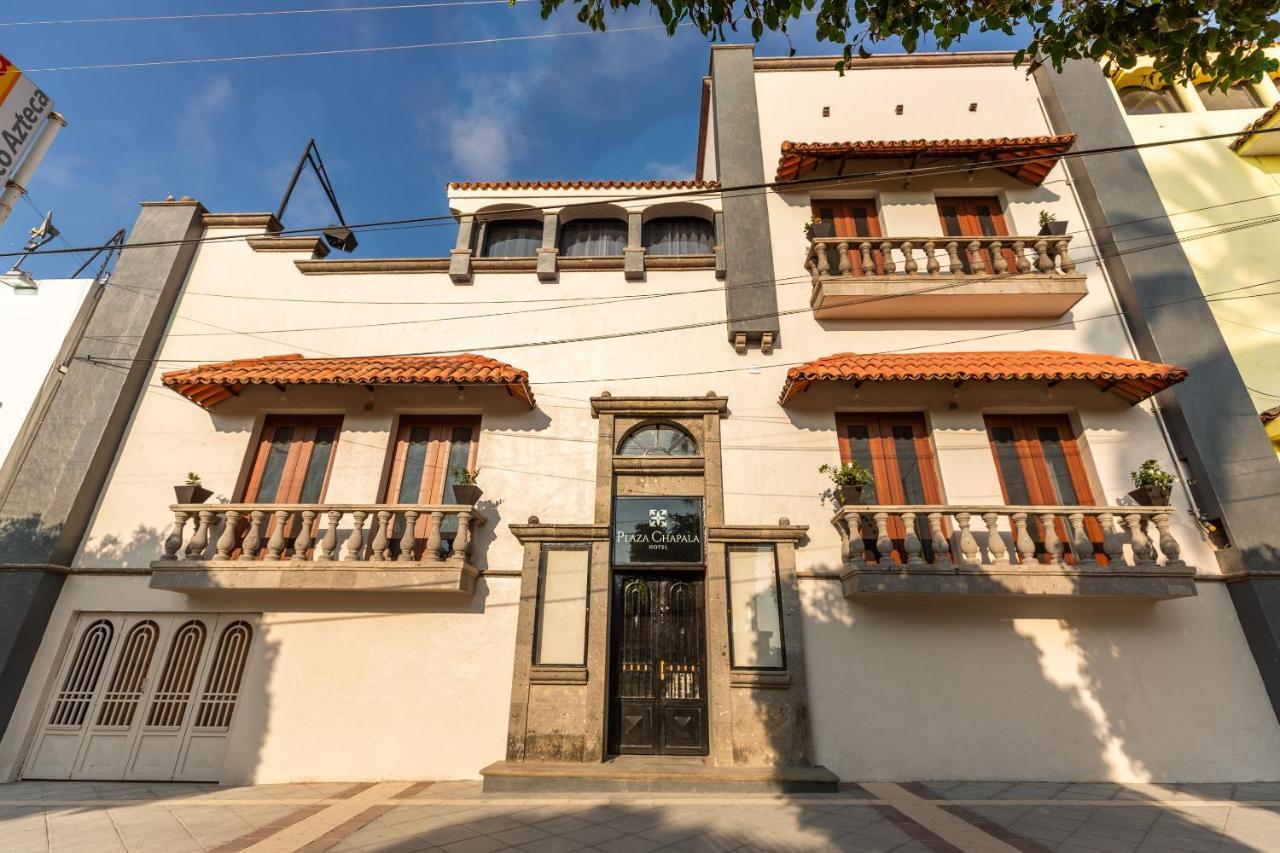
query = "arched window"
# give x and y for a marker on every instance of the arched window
(1239, 96)
(685, 235)
(658, 440)
(1141, 101)
(512, 238)
(593, 238)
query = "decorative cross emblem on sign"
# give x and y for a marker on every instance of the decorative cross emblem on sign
(658, 518)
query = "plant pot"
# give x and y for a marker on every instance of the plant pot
(1150, 496)
(469, 495)
(822, 229)
(1053, 229)
(191, 494)
(850, 495)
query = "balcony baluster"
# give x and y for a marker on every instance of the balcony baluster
(1144, 560)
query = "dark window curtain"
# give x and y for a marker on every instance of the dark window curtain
(593, 238)
(1140, 101)
(512, 238)
(1239, 96)
(684, 236)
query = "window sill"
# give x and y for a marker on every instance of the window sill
(761, 679)
(659, 464)
(545, 674)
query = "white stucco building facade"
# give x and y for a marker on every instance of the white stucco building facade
(904, 642)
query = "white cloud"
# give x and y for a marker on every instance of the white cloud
(483, 135)
(198, 118)
(667, 171)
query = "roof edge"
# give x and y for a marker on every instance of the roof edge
(604, 184)
(890, 60)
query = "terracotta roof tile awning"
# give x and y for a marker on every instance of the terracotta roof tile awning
(585, 185)
(1127, 378)
(1027, 158)
(209, 384)
(1252, 143)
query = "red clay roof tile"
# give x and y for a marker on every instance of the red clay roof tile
(799, 158)
(210, 384)
(1128, 378)
(1266, 121)
(584, 185)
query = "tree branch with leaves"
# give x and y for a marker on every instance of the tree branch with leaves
(1224, 41)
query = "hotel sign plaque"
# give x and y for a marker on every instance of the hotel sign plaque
(662, 531)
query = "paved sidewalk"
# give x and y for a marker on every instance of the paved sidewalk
(401, 817)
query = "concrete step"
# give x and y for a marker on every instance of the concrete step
(637, 774)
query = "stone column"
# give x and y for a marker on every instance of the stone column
(1190, 98)
(460, 257)
(718, 221)
(547, 255)
(1267, 90)
(64, 452)
(751, 309)
(633, 254)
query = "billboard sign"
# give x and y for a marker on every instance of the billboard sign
(22, 109)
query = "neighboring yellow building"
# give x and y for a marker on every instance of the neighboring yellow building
(1221, 195)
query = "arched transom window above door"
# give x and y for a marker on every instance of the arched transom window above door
(658, 440)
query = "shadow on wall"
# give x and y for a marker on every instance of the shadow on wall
(1040, 683)
(27, 539)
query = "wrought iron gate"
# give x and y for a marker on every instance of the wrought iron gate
(143, 696)
(658, 700)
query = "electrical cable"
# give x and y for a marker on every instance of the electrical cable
(444, 4)
(716, 190)
(342, 51)
(960, 281)
(609, 300)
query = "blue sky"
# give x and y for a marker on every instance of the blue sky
(393, 128)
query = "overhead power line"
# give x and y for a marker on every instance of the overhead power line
(123, 363)
(842, 181)
(589, 301)
(610, 300)
(270, 13)
(343, 51)
(766, 315)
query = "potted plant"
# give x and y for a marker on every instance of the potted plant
(1051, 226)
(818, 228)
(849, 479)
(192, 492)
(1153, 484)
(465, 490)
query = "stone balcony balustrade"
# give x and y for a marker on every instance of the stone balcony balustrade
(371, 547)
(919, 277)
(1116, 551)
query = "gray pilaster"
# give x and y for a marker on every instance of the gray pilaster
(460, 256)
(718, 220)
(56, 472)
(550, 251)
(633, 254)
(750, 302)
(1236, 477)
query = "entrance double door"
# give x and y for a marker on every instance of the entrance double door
(658, 694)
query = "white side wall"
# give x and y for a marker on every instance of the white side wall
(32, 328)
(336, 688)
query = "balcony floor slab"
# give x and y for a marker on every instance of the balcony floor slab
(1157, 584)
(364, 576)
(923, 297)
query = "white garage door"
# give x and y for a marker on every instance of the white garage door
(144, 696)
